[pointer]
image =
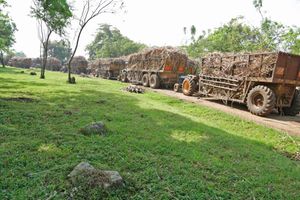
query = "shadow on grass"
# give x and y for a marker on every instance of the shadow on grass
(161, 154)
(11, 70)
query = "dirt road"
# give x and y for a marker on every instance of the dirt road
(290, 125)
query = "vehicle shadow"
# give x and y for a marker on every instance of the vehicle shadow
(275, 115)
(152, 145)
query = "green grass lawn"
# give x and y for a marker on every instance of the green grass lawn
(163, 147)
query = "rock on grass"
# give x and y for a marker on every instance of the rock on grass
(97, 128)
(86, 175)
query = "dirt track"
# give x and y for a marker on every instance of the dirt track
(290, 125)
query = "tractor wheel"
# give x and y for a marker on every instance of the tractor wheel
(145, 80)
(295, 107)
(188, 87)
(124, 78)
(261, 100)
(176, 87)
(154, 81)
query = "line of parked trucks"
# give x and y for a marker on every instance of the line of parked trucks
(262, 81)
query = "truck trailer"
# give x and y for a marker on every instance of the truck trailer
(262, 81)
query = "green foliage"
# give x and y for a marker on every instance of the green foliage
(258, 4)
(292, 41)
(3, 3)
(60, 50)
(110, 43)
(275, 36)
(237, 36)
(54, 13)
(164, 148)
(7, 29)
(234, 36)
(20, 54)
(8, 55)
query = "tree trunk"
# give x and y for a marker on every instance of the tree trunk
(45, 56)
(44, 63)
(73, 54)
(69, 70)
(2, 59)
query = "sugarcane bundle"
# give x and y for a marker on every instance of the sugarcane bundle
(53, 64)
(239, 65)
(20, 62)
(79, 65)
(93, 67)
(157, 58)
(36, 62)
(101, 67)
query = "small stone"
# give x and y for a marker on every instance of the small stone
(114, 178)
(97, 128)
(33, 73)
(79, 169)
(85, 174)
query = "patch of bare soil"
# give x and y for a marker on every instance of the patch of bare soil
(290, 125)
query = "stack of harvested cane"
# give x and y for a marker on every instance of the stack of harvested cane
(79, 65)
(156, 58)
(239, 65)
(100, 67)
(53, 64)
(20, 62)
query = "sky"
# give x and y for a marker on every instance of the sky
(155, 22)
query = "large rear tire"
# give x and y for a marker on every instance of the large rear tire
(145, 80)
(154, 81)
(188, 87)
(261, 100)
(295, 106)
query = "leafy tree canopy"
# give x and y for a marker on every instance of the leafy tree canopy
(60, 50)
(7, 29)
(3, 3)
(54, 13)
(110, 43)
(20, 54)
(237, 36)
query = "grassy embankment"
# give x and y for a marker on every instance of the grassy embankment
(163, 147)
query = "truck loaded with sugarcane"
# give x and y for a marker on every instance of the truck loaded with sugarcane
(157, 67)
(262, 81)
(108, 68)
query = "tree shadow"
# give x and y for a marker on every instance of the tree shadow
(162, 154)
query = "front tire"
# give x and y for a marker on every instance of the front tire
(261, 100)
(188, 87)
(154, 81)
(295, 106)
(176, 87)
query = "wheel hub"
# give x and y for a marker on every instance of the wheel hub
(258, 100)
